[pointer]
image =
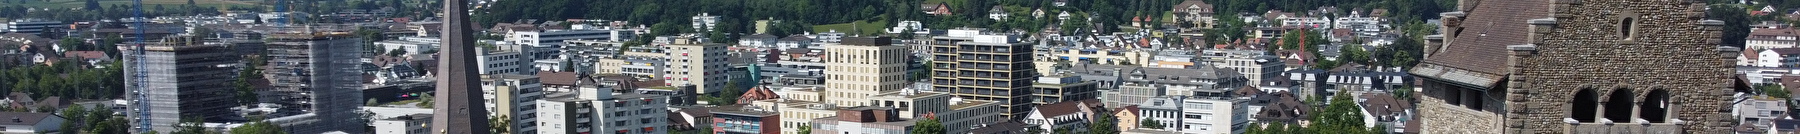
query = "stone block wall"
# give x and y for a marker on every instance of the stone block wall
(1637, 46)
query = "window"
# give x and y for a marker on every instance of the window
(1619, 105)
(1585, 102)
(1625, 27)
(1655, 107)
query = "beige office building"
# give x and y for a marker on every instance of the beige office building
(863, 67)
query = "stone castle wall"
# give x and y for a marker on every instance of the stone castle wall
(1590, 45)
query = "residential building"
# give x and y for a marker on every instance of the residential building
(1213, 115)
(975, 66)
(181, 81)
(1060, 88)
(1760, 110)
(864, 120)
(31, 26)
(743, 119)
(319, 73)
(409, 124)
(1778, 57)
(1129, 117)
(794, 42)
(1771, 38)
(832, 36)
(1383, 110)
(1072, 115)
(603, 112)
(513, 96)
(1195, 81)
(758, 41)
(1162, 109)
(30, 123)
(695, 63)
(704, 23)
(998, 13)
(410, 45)
(1255, 65)
(863, 67)
(1194, 11)
(505, 59)
(964, 115)
(911, 104)
(796, 113)
(1626, 77)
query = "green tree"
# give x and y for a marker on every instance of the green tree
(501, 125)
(1737, 22)
(191, 126)
(1340, 115)
(397, 52)
(1255, 128)
(73, 44)
(1773, 90)
(1151, 124)
(805, 129)
(74, 115)
(259, 127)
(1105, 124)
(1353, 53)
(928, 126)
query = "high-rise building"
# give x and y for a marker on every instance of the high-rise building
(184, 81)
(863, 67)
(320, 73)
(696, 63)
(505, 59)
(984, 67)
(513, 96)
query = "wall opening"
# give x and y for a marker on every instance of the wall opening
(1625, 27)
(1618, 105)
(1655, 107)
(1584, 105)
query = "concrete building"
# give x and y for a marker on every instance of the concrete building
(695, 63)
(911, 104)
(505, 59)
(603, 112)
(705, 23)
(864, 120)
(1477, 82)
(515, 97)
(1760, 110)
(863, 67)
(1062, 88)
(742, 119)
(984, 67)
(1213, 115)
(31, 26)
(1134, 83)
(965, 115)
(1164, 110)
(1255, 65)
(410, 124)
(181, 80)
(317, 73)
(412, 45)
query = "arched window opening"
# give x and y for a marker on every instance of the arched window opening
(1584, 105)
(1618, 105)
(1655, 106)
(1625, 27)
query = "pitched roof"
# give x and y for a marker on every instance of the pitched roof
(1186, 3)
(1786, 51)
(21, 118)
(86, 54)
(1486, 31)
(1060, 108)
(757, 93)
(1751, 55)
(1384, 106)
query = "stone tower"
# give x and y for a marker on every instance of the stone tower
(1577, 66)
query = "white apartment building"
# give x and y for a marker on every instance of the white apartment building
(1315, 22)
(31, 26)
(705, 23)
(546, 43)
(506, 59)
(694, 63)
(585, 112)
(1207, 115)
(513, 96)
(1254, 65)
(1771, 38)
(409, 124)
(1359, 24)
(412, 45)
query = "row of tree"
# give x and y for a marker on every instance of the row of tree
(66, 78)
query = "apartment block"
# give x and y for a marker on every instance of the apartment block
(861, 67)
(696, 63)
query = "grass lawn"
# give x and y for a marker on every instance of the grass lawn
(868, 28)
(147, 3)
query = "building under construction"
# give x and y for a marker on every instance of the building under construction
(185, 80)
(318, 74)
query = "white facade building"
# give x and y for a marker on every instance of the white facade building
(513, 96)
(1214, 116)
(506, 59)
(412, 45)
(581, 113)
(409, 124)
(705, 23)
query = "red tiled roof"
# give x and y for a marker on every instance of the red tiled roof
(1750, 55)
(86, 54)
(757, 93)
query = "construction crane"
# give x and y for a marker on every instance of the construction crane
(139, 73)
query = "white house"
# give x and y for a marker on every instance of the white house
(29, 123)
(410, 124)
(997, 13)
(1070, 115)
(794, 41)
(761, 40)
(902, 26)
(1778, 57)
